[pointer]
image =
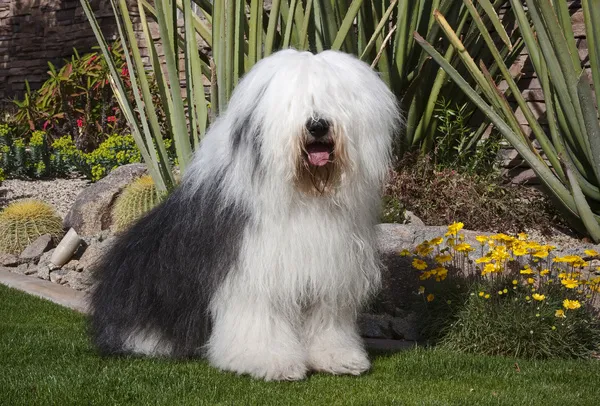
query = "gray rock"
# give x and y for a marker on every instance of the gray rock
(43, 272)
(405, 327)
(56, 276)
(78, 280)
(72, 265)
(374, 326)
(412, 219)
(23, 269)
(10, 260)
(91, 213)
(93, 253)
(34, 251)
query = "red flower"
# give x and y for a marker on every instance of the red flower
(124, 71)
(111, 119)
(79, 122)
(46, 125)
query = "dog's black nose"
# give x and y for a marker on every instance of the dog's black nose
(317, 127)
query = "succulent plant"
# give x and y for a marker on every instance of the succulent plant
(23, 221)
(136, 199)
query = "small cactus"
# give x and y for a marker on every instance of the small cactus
(136, 199)
(23, 221)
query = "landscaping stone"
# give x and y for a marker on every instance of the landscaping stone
(34, 251)
(78, 280)
(10, 260)
(412, 219)
(374, 326)
(72, 265)
(93, 253)
(57, 275)
(91, 213)
(22, 269)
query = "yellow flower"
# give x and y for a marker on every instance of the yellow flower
(425, 275)
(483, 260)
(441, 273)
(443, 258)
(520, 251)
(500, 253)
(504, 290)
(482, 239)
(522, 236)
(487, 296)
(423, 249)
(454, 228)
(515, 282)
(541, 253)
(419, 264)
(464, 247)
(437, 241)
(538, 297)
(488, 268)
(571, 304)
(430, 297)
(451, 242)
(591, 253)
(562, 275)
(481, 294)
(544, 272)
(560, 313)
(530, 281)
(527, 298)
(570, 283)
(526, 271)
(569, 259)
(404, 253)
(421, 290)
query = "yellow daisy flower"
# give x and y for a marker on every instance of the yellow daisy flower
(538, 297)
(419, 264)
(571, 304)
(560, 313)
(430, 297)
(570, 283)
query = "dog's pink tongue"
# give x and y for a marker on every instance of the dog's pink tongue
(318, 154)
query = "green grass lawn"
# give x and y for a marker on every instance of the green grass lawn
(45, 358)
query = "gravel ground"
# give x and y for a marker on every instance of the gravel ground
(60, 193)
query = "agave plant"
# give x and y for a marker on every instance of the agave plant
(572, 144)
(240, 33)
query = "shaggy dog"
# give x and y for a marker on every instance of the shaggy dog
(261, 259)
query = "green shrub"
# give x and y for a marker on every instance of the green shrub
(23, 221)
(515, 300)
(19, 159)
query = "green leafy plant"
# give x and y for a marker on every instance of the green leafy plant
(572, 145)
(76, 99)
(459, 146)
(19, 159)
(23, 221)
(137, 198)
(516, 299)
(378, 32)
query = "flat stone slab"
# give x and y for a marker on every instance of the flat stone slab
(62, 295)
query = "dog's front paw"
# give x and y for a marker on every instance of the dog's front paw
(340, 361)
(294, 372)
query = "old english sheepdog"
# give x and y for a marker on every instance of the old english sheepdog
(262, 258)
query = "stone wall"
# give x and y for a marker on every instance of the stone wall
(33, 32)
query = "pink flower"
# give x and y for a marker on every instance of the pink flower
(46, 125)
(79, 122)
(111, 119)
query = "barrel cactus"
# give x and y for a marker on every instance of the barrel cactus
(24, 221)
(136, 199)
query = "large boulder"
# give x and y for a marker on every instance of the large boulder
(91, 212)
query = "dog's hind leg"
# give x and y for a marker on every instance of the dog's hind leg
(333, 342)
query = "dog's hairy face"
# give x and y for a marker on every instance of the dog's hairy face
(321, 157)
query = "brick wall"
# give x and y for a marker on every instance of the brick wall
(33, 32)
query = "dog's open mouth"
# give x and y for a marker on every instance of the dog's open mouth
(319, 153)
